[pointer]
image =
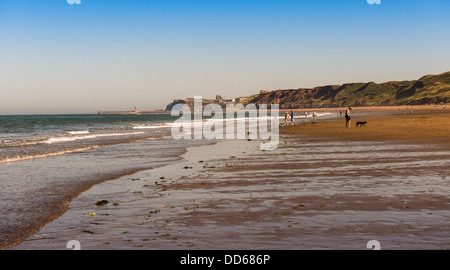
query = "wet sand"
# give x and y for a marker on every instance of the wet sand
(325, 187)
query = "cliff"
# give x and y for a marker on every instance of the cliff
(428, 89)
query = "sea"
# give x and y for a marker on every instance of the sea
(47, 160)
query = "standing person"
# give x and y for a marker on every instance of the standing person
(286, 119)
(348, 122)
(292, 117)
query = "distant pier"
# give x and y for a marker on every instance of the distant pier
(135, 112)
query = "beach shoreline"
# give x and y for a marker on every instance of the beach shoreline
(325, 187)
(144, 188)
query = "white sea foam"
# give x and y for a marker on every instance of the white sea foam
(76, 138)
(78, 132)
(22, 158)
(152, 126)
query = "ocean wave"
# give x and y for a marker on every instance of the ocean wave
(17, 143)
(76, 138)
(152, 126)
(76, 150)
(78, 132)
(64, 152)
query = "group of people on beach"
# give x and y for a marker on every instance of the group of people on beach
(289, 117)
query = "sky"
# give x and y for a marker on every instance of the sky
(117, 54)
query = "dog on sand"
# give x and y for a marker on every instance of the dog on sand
(361, 124)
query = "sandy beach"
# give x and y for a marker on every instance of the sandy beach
(324, 187)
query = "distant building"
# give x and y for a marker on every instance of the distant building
(240, 99)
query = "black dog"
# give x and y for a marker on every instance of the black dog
(361, 124)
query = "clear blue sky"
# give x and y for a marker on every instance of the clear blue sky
(116, 54)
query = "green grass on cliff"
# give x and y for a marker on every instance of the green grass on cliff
(428, 89)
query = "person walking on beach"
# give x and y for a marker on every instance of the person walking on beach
(286, 119)
(292, 118)
(348, 121)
